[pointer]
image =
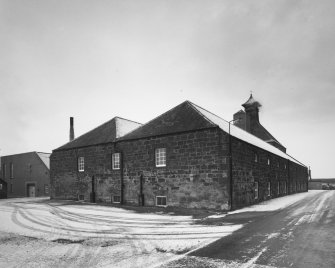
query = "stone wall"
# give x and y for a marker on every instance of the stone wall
(195, 175)
(69, 183)
(251, 164)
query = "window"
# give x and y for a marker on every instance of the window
(0, 186)
(11, 188)
(278, 164)
(269, 162)
(161, 201)
(284, 187)
(278, 188)
(116, 199)
(285, 166)
(269, 188)
(161, 157)
(4, 171)
(81, 163)
(256, 158)
(11, 171)
(81, 197)
(116, 160)
(46, 188)
(256, 189)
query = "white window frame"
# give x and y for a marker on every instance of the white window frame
(269, 161)
(269, 188)
(256, 158)
(160, 157)
(161, 196)
(116, 161)
(117, 202)
(256, 189)
(81, 163)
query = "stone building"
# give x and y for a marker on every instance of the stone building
(3, 189)
(186, 157)
(26, 174)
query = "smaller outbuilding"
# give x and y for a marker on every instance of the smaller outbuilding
(3, 189)
(322, 184)
(25, 175)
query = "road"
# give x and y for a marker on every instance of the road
(301, 235)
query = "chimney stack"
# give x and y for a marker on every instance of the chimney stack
(251, 110)
(71, 129)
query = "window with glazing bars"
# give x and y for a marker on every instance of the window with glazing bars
(81, 164)
(161, 201)
(160, 157)
(116, 160)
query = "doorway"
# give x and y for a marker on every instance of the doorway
(31, 190)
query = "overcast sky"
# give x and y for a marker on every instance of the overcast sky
(94, 60)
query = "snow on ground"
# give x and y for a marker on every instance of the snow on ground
(42, 233)
(97, 236)
(272, 204)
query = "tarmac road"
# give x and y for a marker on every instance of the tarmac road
(301, 235)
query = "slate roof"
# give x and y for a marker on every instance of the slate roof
(262, 133)
(105, 133)
(179, 119)
(188, 116)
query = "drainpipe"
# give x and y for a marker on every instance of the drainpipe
(121, 174)
(288, 178)
(141, 197)
(231, 165)
(93, 190)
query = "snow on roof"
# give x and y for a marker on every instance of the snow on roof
(242, 134)
(45, 157)
(124, 126)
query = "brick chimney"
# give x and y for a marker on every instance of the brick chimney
(71, 129)
(251, 108)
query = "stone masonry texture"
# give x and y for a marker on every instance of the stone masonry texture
(196, 174)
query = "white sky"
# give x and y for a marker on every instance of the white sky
(137, 59)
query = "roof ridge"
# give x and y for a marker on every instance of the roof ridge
(18, 153)
(90, 131)
(42, 152)
(193, 104)
(143, 125)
